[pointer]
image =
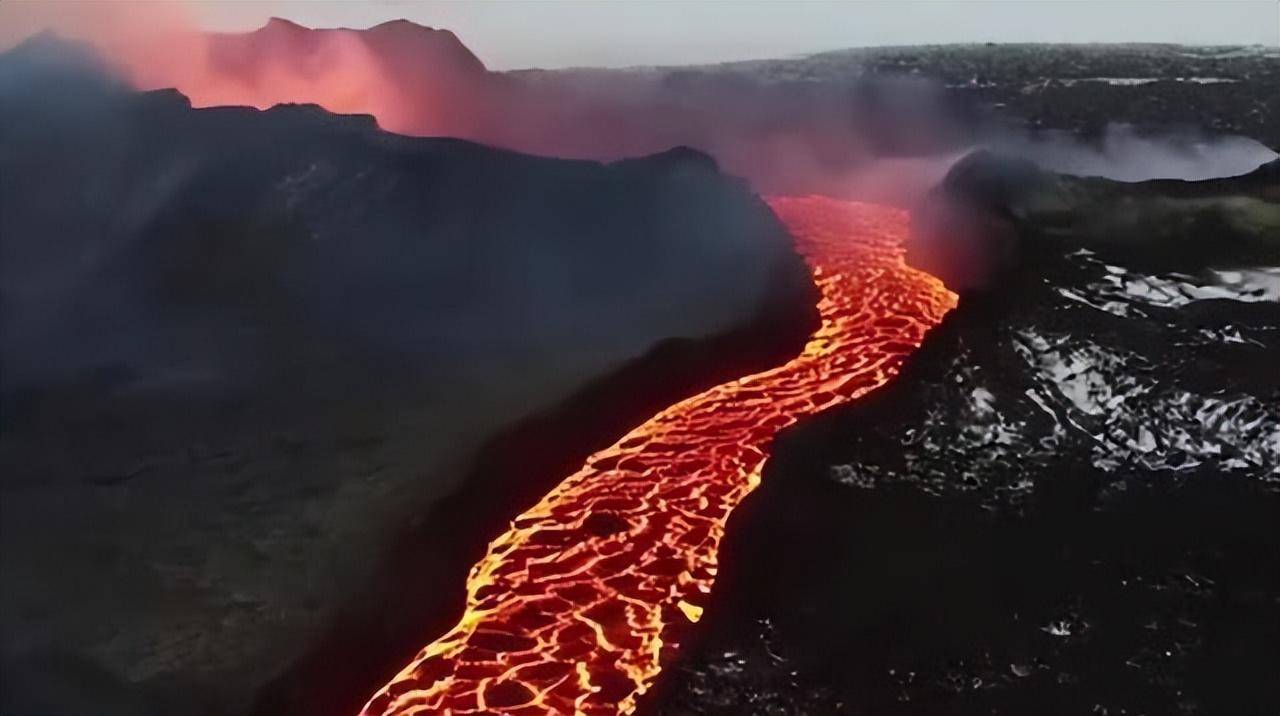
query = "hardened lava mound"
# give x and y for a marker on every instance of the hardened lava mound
(570, 610)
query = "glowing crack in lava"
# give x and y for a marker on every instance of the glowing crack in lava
(570, 609)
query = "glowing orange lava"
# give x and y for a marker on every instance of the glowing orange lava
(570, 609)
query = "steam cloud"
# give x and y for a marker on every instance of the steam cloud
(878, 139)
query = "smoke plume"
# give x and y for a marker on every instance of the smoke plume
(873, 138)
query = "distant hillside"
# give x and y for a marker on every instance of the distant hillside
(1077, 88)
(874, 123)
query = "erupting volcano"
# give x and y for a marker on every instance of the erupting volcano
(571, 608)
(377, 369)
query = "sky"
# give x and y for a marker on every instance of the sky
(512, 34)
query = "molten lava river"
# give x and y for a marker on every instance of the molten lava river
(571, 608)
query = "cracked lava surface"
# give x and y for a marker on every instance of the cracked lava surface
(571, 608)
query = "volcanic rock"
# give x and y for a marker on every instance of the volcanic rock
(992, 211)
(1065, 503)
(246, 351)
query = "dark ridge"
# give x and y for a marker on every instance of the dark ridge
(680, 157)
(280, 24)
(991, 212)
(224, 328)
(1263, 183)
(319, 116)
(419, 592)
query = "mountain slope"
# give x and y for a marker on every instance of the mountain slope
(245, 351)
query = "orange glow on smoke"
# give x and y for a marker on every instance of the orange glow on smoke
(786, 137)
(413, 79)
(570, 610)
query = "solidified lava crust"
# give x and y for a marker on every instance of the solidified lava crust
(574, 608)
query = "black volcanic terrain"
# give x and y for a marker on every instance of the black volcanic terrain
(246, 352)
(272, 378)
(1065, 504)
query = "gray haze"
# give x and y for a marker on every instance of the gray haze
(554, 34)
(559, 34)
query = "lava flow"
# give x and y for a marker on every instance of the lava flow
(570, 609)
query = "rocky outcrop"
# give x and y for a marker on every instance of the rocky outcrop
(992, 211)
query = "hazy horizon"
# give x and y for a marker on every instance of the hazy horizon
(550, 34)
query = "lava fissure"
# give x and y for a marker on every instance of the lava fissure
(570, 609)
